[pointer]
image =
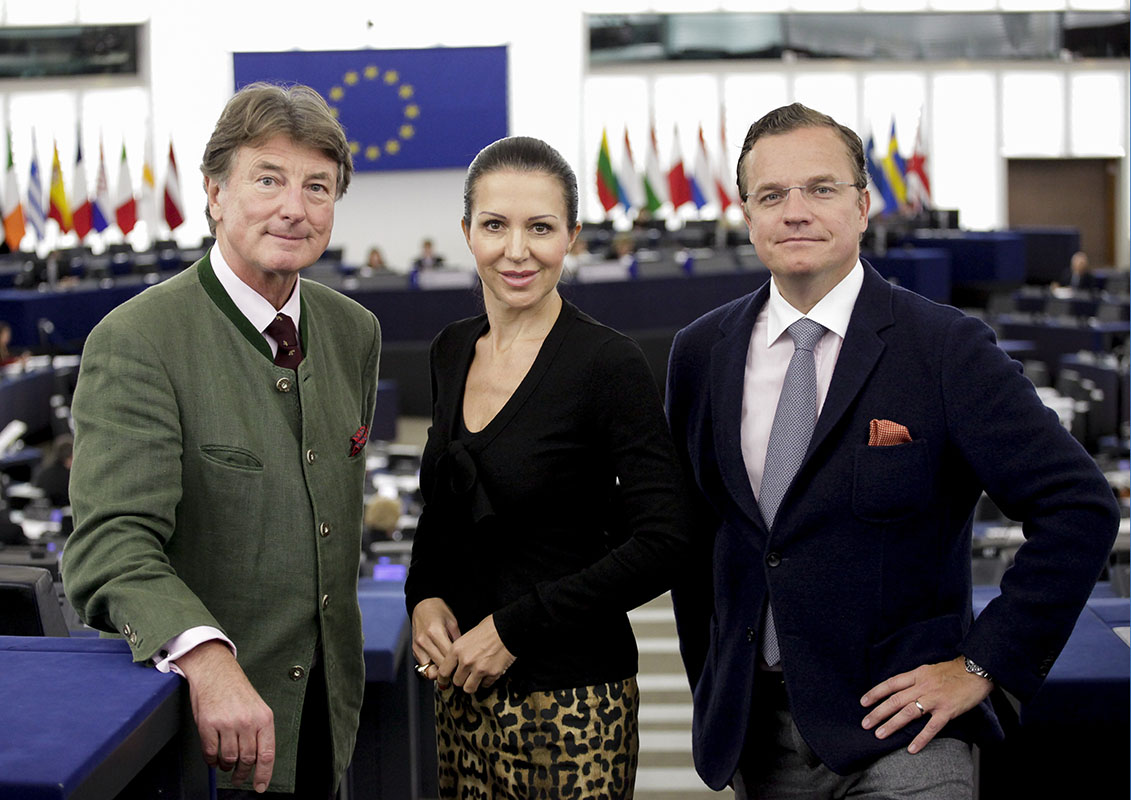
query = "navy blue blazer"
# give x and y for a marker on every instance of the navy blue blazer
(868, 562)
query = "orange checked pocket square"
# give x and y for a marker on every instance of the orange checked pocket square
(885, 433)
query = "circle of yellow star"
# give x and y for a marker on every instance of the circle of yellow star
(406, 91)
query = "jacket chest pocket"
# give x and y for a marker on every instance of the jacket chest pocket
(891, 483)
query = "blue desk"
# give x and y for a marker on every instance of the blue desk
(27, 397)
(1072, 737)
(74, 312)
(395, 755)
(79, 720)
(923, 270)
(1056, 338)
(979, 257)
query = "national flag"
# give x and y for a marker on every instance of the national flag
(700, 179)
(125, 206)
(654, 195)
(14, 227)
(894, 168)
(59, 209)
(628, 180)
(35, 216)
(724, 172)
(607, 188)
(678, 187)
(174, 215)
(421, 108)
(80, 202)
(147, 210)
(878, 184)
(918, 185)
(100, 204)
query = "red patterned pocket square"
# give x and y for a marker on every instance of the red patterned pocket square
(358, 440)
(885, 433)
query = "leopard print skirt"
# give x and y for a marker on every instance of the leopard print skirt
(569, 743)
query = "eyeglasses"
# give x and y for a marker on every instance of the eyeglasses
(816, 192)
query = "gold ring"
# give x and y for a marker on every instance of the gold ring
(422, 669)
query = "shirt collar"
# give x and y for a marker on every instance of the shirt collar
(833, 310)
(252, 304)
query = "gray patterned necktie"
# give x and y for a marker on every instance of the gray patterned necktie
(794, 420)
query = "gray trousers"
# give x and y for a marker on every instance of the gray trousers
(778, 764)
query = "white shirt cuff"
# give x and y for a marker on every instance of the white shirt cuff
(179, 645)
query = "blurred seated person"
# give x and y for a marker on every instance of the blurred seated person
(6, 355)
(427, 258)
(382, 515)
(624, 249)
(375, 261)
(578, 254)
(55, 473)
(1079, 275)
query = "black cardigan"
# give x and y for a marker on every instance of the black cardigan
(562, 514)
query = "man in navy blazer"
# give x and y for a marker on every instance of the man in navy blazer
(884, 676)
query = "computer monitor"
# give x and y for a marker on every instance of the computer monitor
(29, 605)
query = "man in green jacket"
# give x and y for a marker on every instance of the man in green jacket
(220, 427)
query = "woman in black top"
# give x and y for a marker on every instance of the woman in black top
(553, 505)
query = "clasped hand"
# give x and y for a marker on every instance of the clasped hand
(471, 660)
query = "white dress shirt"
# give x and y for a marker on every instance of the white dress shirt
(259, 313)
(769, 354)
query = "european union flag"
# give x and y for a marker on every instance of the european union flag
(401, 109)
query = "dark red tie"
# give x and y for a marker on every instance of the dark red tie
(282, 330)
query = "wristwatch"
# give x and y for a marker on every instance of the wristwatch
(974, 669)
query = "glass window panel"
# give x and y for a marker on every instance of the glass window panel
(825, 5)
(687, 101)
(1098, 5)
(833, 93)
(1031, 5)
(1098, 115)
(893, 5)
(113, 12)
(748, 98)
(52, 116)
(893, 95)
(1033, 114)
(963, 5)
(611, 103)
(963, 162)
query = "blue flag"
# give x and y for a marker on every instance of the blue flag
(879, 178)
(401, 109)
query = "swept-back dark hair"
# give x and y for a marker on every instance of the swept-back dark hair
(522, 154)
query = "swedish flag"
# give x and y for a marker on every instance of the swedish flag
(401, 109)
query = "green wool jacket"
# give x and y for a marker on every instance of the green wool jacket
(211, 487)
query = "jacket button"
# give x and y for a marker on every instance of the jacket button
(773, 559)
(324, 529)
(751, 635)
(126, 631)
(297, 673)
(311, 456)
(283, 385)
(325, 601)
